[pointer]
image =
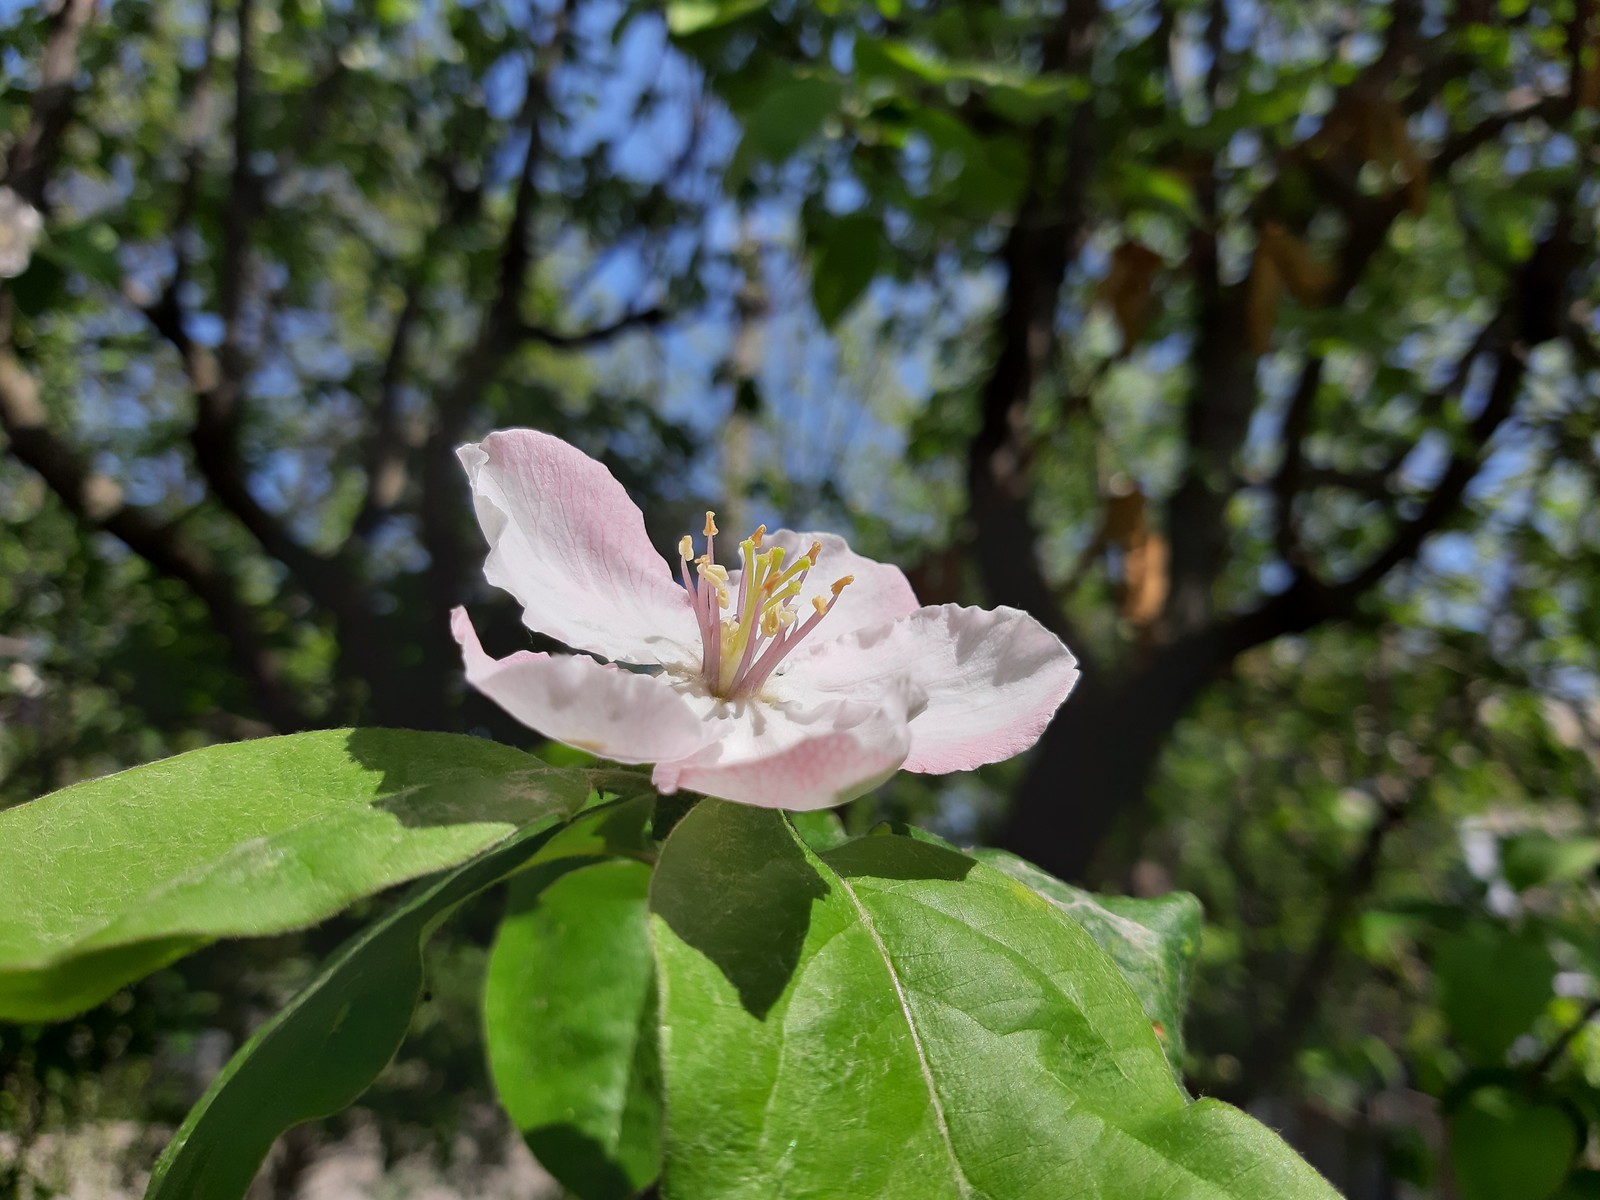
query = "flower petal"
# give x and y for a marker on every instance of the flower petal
(566, 541)
(610, 712)
(879, 593)
(993, 679)
(786, 756)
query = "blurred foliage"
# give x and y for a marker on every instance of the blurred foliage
(1251, 345)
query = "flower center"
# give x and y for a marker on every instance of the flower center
(741, 650)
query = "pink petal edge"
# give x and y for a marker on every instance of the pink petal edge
(616, 714)
(993, 679)
(568, 543)
(856, 747)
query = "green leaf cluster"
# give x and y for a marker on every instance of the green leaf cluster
(737, 1008)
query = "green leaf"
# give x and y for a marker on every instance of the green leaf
(109, 880)
(785, 116)
(1581, 1185)
(1532, 859)
(847, 253)
(1016, 93)
(828, 1021)
(821, 828)
(90, 250)
(1504, 1146)
(1492, 984)
(570, 1019)
(688, 17)
(1153, 942)
(324, 1049)
(1139, 186)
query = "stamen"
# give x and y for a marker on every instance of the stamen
(710, 633)
(774, 565)
(749, 679)
(776, 599)
(799, 567)
(741, 651)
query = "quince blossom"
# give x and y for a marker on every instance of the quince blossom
(761, 683)
(20, 226)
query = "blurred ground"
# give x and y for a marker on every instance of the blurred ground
(111, 1161)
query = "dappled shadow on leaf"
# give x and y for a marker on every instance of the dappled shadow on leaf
(466, 781)
(582, 1164)
(519, 798)
(734, 884)
(890, 857)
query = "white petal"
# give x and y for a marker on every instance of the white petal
(993, 679)
(795, 757)
(616, 714)
(566, 541)
(880, 592)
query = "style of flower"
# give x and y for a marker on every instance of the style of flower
(757, 683)
(20, 226)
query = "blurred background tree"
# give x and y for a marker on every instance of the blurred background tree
(1249, 344)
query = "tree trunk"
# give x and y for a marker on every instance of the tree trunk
(1095, 762)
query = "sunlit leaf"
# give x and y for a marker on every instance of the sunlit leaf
(327, 1045)
(828, 1021)
(1153, 942)
(110, 879)
(570, 1020)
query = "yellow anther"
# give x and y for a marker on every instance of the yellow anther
(776, 599)
(711, 523)
(818, 603)
(761, 532)
(715, 571)
(839, 585)
(803, 563)
(814, 553)
(686, 546)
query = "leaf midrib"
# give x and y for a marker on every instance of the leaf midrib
(963, 1184)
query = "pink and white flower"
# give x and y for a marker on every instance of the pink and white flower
(758, 684)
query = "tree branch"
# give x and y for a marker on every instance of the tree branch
(1271, 1051)
(1042, 241)
(479, 365)
(386, 449)
(96, 500)
(1462, 143)
(33, 158)
(646, 318)
(1546, 1062)
(1291, 476)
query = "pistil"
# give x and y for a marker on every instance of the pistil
(739, 653)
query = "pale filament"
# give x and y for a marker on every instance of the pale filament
(739, 652)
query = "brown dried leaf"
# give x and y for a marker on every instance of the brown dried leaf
(1145, 588)
(1127, 289)
(1308, 279)
(1263, 293)
(1125, 516)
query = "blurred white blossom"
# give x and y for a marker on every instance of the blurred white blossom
(20, 226)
